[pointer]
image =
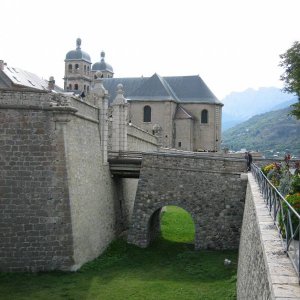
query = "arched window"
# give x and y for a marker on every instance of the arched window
(76, 67)
(70, 86)
(70, 67)
(147, 113)
(76, 86)
(84, 68)
(204, 116)
(87, 89)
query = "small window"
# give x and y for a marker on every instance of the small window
(84, 87)
(87, 89)
(84, 68)
(147, 113)
(179, 144)
(70, 67)
(76, 87)
(76, 67)
(70, 86)
(204, 116)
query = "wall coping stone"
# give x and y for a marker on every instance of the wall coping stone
(282, 277)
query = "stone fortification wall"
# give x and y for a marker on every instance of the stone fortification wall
(58, 204)
(35, 221)
(212, 190)
(264, 271)
(140, 140)
(95, 210)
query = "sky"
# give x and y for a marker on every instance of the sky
(232, 44)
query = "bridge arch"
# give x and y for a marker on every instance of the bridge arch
(211, 190)
(154, 220)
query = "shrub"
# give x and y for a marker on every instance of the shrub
(295, 184)
(294, 201)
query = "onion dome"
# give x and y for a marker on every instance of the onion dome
(78, 54)
(102, 65)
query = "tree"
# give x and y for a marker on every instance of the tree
(290, 61)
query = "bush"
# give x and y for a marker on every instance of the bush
(294, 201)
(295, 184)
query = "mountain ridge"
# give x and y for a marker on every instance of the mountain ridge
(240, 106)
(269, 133)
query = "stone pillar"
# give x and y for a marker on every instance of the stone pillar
(119, 121)
(99, 97)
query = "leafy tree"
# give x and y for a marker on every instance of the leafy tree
(290, 61)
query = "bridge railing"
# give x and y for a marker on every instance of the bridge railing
(285, 217)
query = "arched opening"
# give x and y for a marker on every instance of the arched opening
(147, 113)
(177, 225)
(173, 224)
(204, 116)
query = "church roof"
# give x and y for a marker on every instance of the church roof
(181, 89)
(78, 54)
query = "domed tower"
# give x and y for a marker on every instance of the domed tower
(77, 70)
(104, 67)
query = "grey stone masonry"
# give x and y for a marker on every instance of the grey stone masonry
(35, 223)
(211, 189)
(264, 270)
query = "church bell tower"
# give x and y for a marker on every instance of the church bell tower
(77, 71)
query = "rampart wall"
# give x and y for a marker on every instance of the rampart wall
(140, 140)
(264, 271)
(35, 219)
(58, 203)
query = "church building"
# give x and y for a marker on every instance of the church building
(180, 110)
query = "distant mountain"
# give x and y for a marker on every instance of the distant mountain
(240, 106)
(271, 132)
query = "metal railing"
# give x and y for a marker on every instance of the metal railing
(285, 217)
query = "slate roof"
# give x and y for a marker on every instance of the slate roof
(78, 54)
(10, 77)
(102, 65)
(181, 89)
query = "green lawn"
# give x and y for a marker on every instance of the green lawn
(169, 269)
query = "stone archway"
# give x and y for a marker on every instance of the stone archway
(177, 225)
(145, 227)
(209, 189)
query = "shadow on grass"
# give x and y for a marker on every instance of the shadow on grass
(169, 270)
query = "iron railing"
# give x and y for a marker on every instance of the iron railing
(286, 219)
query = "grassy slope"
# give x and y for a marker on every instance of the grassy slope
(165, 270)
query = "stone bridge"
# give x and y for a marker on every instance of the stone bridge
(211, 189)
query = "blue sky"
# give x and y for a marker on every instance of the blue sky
(233, 45)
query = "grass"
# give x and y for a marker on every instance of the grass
(169, 269)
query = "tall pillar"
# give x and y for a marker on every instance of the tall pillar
(99, 97)
(119, 121)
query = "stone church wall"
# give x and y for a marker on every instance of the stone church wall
(205, 134)
(161, 113)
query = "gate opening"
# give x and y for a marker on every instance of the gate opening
(177, 225)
